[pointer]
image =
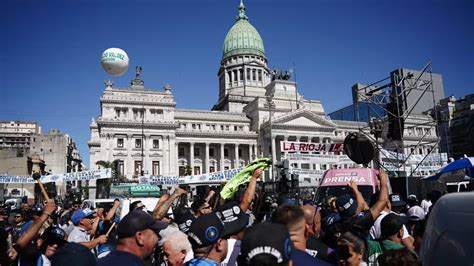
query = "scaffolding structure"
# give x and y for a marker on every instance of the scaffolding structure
(390, 104)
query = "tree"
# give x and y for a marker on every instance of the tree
(103, 185)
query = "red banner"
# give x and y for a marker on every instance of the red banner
(287, 146)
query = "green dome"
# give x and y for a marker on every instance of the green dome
(243, 38)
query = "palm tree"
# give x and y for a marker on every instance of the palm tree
(103, 185)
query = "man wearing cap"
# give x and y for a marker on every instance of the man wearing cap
(391, 237)
(293, 218)
(266, 244)
(138, 234)
(83, 220)
(375, 230)
(208, 238)
(314, 246)
(235, 222)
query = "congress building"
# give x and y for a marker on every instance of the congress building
(258, 110)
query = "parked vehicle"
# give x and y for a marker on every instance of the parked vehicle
(335, 181)
(449, 230)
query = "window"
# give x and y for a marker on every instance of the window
(120, 143)
(420, 150)
(240, 152)
(156, 144)
(235, 75)
(211, 152)
(227, 127)
(226, 152)
(241, 74)
(196, 151)
(181, 151)
(248, 73)
(213, 127)
(222, 127)
(212, 169)
(155, 168)
(226, 167)
(235, 128)
(260, 75)
(138, 167)
(138, 143)
(197, 170)
(193, 126)
(120, 167)
(254, 74)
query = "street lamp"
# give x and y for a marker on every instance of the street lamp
(271, 105)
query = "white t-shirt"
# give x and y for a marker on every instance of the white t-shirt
(78, 235)
(426, 204)
(230, 248)
(375, 231)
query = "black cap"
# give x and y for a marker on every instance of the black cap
(396, 200)
(233, 217)
(346, 206)
(206, 230)
(390, 225)
(73, 254)
(136, 221)
(266, 238)
(54, 235)
(183, 218)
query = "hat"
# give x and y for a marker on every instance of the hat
(415, 214)
(233, 217)
(73, 254)
(183, 218)
(396, 200)
(136, 221)
(390, 225)
(266, 238)
(346, 205)
(54, 235)
(80, 214)
(206, 230)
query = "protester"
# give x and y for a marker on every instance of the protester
(375, 230)
(183, 218)
(34, 251)
(108, 220)
(165, 202)
(391, 237)
(415, 215)
(266, 244)
(293, 218)
(412, 200)
(426, 203)
(138, 234)
(176, 248)
(83, 220)
(351, 250)
(73, 254)
(201, 207)
(208, 239)
(314, 246)
(397, 204)
(398, 257)
(235, 221)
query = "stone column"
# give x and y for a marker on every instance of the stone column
(206, 162)
(191, 157)
(236, 155)
(250, 153)
(222, 157)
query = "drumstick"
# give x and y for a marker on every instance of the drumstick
(37, 177)
(110, 229)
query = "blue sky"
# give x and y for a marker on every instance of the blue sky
(50, 50)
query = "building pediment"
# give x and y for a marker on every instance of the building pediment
(304, 118)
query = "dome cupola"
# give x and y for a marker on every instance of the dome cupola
(243, 38)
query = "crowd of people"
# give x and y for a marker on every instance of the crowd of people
(345, 230)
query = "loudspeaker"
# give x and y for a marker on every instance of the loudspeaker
(359, 148)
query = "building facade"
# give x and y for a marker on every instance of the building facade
(17, 134)
(257, 109)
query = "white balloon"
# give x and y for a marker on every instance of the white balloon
(114, 61)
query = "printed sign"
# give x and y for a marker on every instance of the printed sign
(216, 177)
(289, 146)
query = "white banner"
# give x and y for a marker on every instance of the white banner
(288, 146)
(317, 158)
(216, 177)
(440, 158)
(86, 175)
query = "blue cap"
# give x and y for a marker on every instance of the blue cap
(80, 214)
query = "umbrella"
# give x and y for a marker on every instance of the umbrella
(465, 164)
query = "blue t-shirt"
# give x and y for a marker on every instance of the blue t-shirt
(201, 262)
(117, 258)
(301, 258)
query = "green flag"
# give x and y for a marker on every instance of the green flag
(244, 176)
